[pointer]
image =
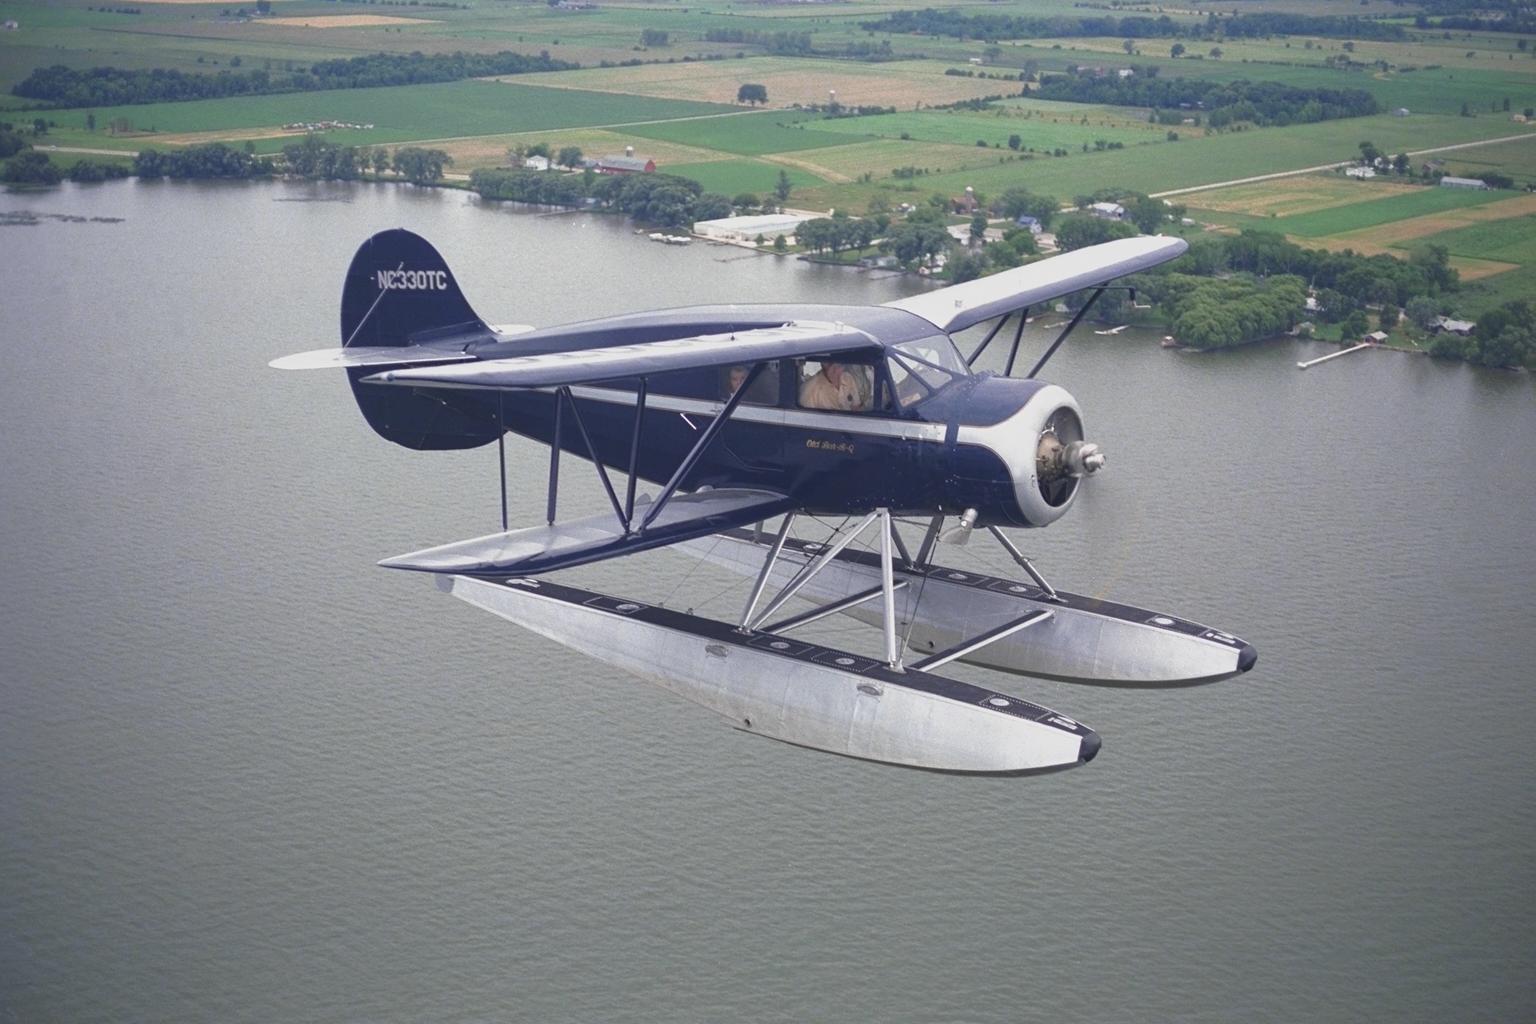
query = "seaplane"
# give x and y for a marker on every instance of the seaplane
(747, 419)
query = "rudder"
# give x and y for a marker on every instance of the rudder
(399, 293)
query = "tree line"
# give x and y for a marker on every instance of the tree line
(992, 27)
(313, 158)
(663, 199)
(1222, 103)
(110, 86)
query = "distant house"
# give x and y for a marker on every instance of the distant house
(537, 163)
(1376, 337)
(625, 165)
(1107, 211)
(11, 25)
(1445, 323)
(1125, 72)
(965, 205)
(1452, 182)
(1518, 118)
(1400, 112)
(883, 262)
(1360, 172)
(1033, 223)
(976, 60)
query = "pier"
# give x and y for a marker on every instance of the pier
(1334, 355)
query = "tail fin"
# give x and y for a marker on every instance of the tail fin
(400, 294)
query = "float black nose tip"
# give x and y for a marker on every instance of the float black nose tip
(1090, 747)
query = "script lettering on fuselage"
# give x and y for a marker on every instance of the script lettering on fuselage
(412, 280)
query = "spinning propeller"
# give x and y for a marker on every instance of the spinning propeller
(1062, 457)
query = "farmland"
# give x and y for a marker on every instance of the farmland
(398, 113)
(965, 128)
(747, 134)
(789, 81)
(1402, 206)
(677, 104)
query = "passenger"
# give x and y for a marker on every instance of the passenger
(837, 388)
(738, 374)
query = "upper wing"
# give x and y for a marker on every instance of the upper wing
(590, 365)
(964, 305)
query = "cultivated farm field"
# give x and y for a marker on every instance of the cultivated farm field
(789, 81)
(398, 113)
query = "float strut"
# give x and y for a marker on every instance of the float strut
(1028, 566)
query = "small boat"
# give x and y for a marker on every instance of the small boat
(657, 236)
(1168, 342)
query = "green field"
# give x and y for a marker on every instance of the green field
(745, 134)
(966, 128)
(1375, 212)
(1509, 241)
(732, 177)
(1205, 161)
(398, 113)
(1516, 159)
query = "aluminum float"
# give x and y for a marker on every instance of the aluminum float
(1080, 639)
(794, 691)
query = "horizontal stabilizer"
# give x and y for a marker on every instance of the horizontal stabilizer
(964, 305)
(590, 365)
(341, 358)
(538, 549)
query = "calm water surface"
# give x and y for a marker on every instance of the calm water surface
(247, 776)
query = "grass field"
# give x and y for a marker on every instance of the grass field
(1405, 205)
(1191, 162)
(1512, 240)
(731, 177)
(1516, 159)
(966, 128)
(789, 80)
(491, 150)
(880, 158)
(746, 134)
(1289, 197)
(399, 114)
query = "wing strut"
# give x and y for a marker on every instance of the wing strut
(626, 511)
(1060, 337)
(699, 447)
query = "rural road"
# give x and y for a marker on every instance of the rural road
(1329, 167)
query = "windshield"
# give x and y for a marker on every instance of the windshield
(919, 368)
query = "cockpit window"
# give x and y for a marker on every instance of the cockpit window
(763, 391)
(919, 368)
(836, 385)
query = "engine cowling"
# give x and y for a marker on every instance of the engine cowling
(1043, 446)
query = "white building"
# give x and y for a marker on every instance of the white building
(743, 230)
(1450, 182)
(1359, 172)
(1108, 211)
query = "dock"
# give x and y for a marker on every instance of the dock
(1334, 355)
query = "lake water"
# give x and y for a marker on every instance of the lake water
(247, 776)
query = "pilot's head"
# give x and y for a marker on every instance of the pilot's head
(834, 372)
(738, 374)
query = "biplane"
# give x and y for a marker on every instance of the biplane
(746, 416)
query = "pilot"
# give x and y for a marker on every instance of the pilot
(836, 387)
